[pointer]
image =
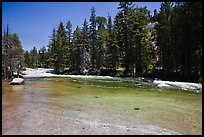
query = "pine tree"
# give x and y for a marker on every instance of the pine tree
(141, 52)
(76, 58)
(176, 31)
(67, 49)
(125, 10)
(13, 54)
(101, 42)
(34, 57)
(119, 39)
(61, 41)
(27, 59)
(164, 34)
(112, 48)
(85, 47)
(42, 57)
(18, 54)
(53, 52)
(93, 39)
(188, 22)
(6, 45)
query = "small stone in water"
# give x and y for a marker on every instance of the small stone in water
(136, 108)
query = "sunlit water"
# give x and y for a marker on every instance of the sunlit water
(177, 110)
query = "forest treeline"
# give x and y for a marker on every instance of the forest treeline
(166, 45)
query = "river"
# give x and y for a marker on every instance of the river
(97, 106)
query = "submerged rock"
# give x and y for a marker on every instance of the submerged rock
(136, 108)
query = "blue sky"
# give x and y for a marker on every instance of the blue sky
(34, 21)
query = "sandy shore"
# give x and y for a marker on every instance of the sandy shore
(35, 119)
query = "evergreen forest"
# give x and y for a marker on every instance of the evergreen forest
(134, 43)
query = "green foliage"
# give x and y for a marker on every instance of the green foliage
(112, 48)
(34, 58)
(125, 11)
(85, 46)
(101, 43)
(179, 38)
(12, 54)
(42, 57)
(93, 38)
(27, 59)
(19, 52)
(136, 44)
(133, 38)
(58, 49)
(76, 48)
(101, 22)
(67, 48)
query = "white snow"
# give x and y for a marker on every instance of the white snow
(179, 85)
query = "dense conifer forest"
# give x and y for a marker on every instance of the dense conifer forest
(165, 45)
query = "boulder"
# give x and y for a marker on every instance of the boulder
(17, 81)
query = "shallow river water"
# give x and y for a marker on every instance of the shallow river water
(97, 106)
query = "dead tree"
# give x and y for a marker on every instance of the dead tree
(11, 59)
(6, 54)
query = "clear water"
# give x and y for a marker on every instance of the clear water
(176, 110)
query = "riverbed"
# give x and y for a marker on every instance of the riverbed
(97, 106)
